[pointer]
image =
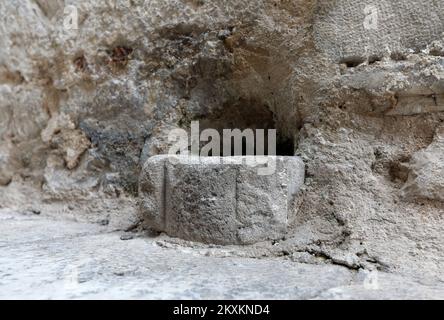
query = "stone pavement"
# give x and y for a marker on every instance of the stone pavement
(221, 200)
(41, 258)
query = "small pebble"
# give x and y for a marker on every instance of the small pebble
(104, 222)
(125, 237)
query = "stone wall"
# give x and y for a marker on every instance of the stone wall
(82, 110)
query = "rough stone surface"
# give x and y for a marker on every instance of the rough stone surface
(6, 164)
(220, 200)
(344, 29)
(56, 259)
(82, 110)
(426, 177)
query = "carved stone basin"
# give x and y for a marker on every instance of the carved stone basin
(232, 200)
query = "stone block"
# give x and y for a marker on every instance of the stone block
(219, 200)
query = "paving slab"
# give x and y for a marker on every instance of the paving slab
(57, 259)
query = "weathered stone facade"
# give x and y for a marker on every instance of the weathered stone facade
(82, 110)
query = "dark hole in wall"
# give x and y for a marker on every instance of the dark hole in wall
(352, 62)
(374, 58)
(284, 147)
(80, 63)
(248, 114)
(398, 56)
